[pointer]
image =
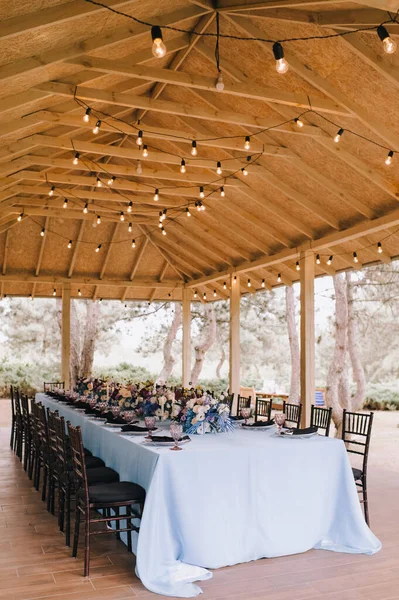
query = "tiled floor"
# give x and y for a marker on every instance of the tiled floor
(34, 562)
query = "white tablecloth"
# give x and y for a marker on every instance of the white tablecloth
(231, 498)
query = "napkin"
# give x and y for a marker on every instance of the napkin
(167, 438)
(304, 431)
(115, 420)
(136, 428)
(260, 423)
(80, 404)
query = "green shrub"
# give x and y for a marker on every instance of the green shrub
(382, 396)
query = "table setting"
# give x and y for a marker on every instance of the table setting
(223, 491)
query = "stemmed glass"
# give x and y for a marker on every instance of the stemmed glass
(115, 411)
(150, 424)
(176, 429)
(280, 420)
(245, 413)
(128, 415)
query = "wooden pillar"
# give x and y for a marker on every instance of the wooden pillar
(66, 334)
(234, 356)
(307, 335)
(186, 348)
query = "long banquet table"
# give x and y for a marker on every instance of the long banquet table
(231, 498)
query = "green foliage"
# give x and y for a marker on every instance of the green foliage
(382, 396)
(125, 371)
(29, 377)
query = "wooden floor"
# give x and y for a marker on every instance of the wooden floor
(34, 562)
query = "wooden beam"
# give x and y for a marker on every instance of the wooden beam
(186, 345)
(168, 259)
(250, 5)
(5, 255)
(307, 335)
(24, 277)
(42, 246)
(66, 334)
(161, 276)
(109, 250)
(76, 248)
(138, 258)
(234, 339)
(44, 211)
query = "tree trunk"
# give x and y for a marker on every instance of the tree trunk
(221, 362)
(336, 375)
(202, 349)
(168, 358)
(75, 345)
(294, 344)
(90, 333)
(353, 345)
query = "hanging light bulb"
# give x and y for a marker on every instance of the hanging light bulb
(214, 293)
(100, 300)
(111, 180)
(318, 259)
(281, 64)
(263, 283)
(244, 171)
(201, 192)
(388, 159)
(139, 168)
(30, 297)
(98, 248)
(222, 193)
(79, 293)
(204, 296)
(224, 285)
(249, 283)
(202, 206)
(86, 116)
(219, 168)
(389, 44)
(86, 208)
(164, 212)
(76, 158)
(297, 266)
(96, 127)
(355, 258)
(20, 217)
(330, 259)
(122, 216)
(145, 150)
(279, 278)
(195, 294)
(163, 230)
(43, 231)
(129, 207)
(69, 246)
(193, 148)
(338, 136)
(54, 292)
(247, 143)
(183, 166)
(65, 205)
(51, 192)
(156, 195)
(235, 279)
(98, 220)
(139, 139)
(298, 122)
(130, 228)
(99, 182)
(220, 83)
(133, 243)
(379, 248)
(188, 212)
(158, 47)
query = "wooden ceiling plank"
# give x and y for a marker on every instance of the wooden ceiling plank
(169, 260)
(5, 255)
(76, 248)
(42, 246)
(138, 257)
(109, 250)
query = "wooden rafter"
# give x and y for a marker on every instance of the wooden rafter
(42, 246)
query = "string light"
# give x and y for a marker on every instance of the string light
(98, 220)
(279, 278)
(76, 158)
(220, 83)
(145, 150)
(100, 300)
(188, 212)
(263, 284)
(54, 292)
(96, 127)
(281, 64)
(297, 266)
(158, 47)
(244, 171)
(30, 297)
(222, 193)
(338, 136)
(318, 259)
(249, 283)
(156, 195)
(379, 248)
(111, 180)
(65, 205)
(204, 296)
(129, 207)
(355, 258)
(195, 294)
(247, 143)
(122, 216)
(183, 166)
(388, 43)
(235, 279)
(219, 168)
(86, 116)
(98, 248)
(130, 228)
(214, 293)
(133, 243)
(388, 159)
(20, 217)
(194, 148)
(330, 259)
(298, 122)
(99, 182)
(69, 246)
(43, 231)
(139, 168)
(163, 230)
(201, 192)
(79, 293)
(86, 208)
(224, 285)
(139, 139)
(51, 192)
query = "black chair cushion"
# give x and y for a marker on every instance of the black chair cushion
(92, 462)
(357, 474)
(123, 491)
(87, 452)
(98, 475)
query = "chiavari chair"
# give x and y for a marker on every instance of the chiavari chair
(106, 497)
(321, 418)
(50, 386)
(263, 409)
(292, 414)
(242, 402)
(19, 425)
(13, 418)
(27, 437)
(356, 434)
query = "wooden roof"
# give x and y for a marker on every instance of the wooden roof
(303, 190)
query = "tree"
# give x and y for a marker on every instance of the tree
(204, 345)
(168, 358)
(294, 344)
(353, 346)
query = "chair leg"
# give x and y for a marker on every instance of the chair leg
(37, 470)
(76, 533)
(27, 454)
(12, 433)
(67, 512)
(366, 504)
(61, 507)
(44, 488)
(116, 509)
(129, 523)
(87, 543)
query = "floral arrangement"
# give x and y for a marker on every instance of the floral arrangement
(203, 414)
(89, 386)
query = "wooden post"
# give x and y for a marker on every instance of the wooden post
(66, 334)
(234, 357)
(307, 335)
(186, 348)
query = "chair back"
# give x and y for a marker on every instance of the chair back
(356, 433)
(62, 445)
(242, 402)
(52, 435)
(50, 386)
(248, 392)
(17, 405)
(12, 403)
(35, 424)
(321, 418)
(228, 399)
(26, 417)
(292, 413)
(263, 408)
(78, 459)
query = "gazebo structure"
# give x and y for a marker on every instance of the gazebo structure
(204, 173)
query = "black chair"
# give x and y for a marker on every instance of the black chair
(242, 402)
(321, 418)
(355, 426)
(228, 399)
(27, 429)
(13, 418)
(292, 414)
(50, 386)
(19, 425)
(105, 497)
(263, 409)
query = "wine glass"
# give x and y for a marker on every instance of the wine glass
(245, 413)
(176, 429)
(150, 424)
(128, 415)
(280, 420)
(116, 410)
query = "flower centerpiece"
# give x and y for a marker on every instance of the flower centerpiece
(203, 414)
